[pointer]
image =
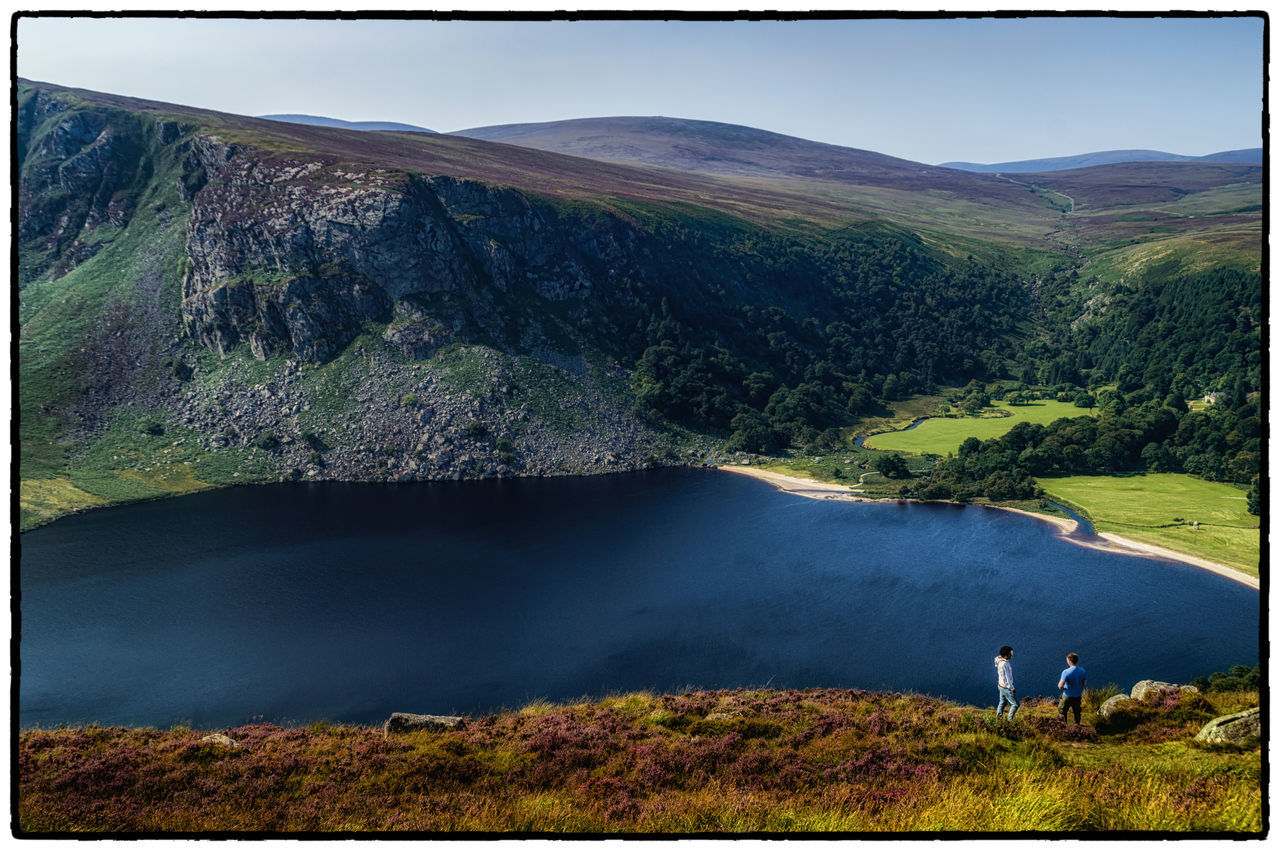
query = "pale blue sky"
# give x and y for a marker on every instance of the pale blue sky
(985, 90)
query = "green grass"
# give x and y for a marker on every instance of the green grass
(464, 369)
(42, 500)
(59, 316)
(942, 435)
(852, 467)
(1159, 508)
(127, 464)
(902, 414)
(1191, 252)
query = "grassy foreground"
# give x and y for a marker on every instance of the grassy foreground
(942, 435)
(702, 762)
(1161, 508)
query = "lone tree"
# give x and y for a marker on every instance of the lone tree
(892, 467)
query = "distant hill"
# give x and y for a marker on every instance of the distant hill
(1128, 184)
(321, 121)
(712, 147)
(1247, 156)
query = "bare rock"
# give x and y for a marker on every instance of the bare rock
(725, 715)
(1233, 728)
(1112, 704)
(221, 739)
(405, 722)
(1154, 689)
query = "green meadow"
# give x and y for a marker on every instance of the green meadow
(941, 435)
(1163, 509)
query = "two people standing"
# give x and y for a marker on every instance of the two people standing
(1071, 682)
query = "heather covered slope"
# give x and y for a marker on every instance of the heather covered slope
(1210, 204)
(817, 760)
(715, 148)
(1250, 156)
(956, 209)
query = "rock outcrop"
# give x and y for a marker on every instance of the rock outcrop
(295, 255)
(1234, 729)
(220, 739)
(407, 722)
(1148, 690)
(1112, 704)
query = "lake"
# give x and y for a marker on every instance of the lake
(299, 602)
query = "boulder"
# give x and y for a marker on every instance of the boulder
(728, 715)
(1111, 704)
(1233, 728)
(1154, 689)
(405, 722)
(221, 739)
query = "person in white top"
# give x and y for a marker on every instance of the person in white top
(1004, 682)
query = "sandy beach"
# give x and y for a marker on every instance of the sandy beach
(1115, 543)
(799, 486)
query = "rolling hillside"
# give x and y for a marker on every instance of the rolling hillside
(207, 298)
(1245, 156)
(1214, 201)
(711, 147)
(321, 121)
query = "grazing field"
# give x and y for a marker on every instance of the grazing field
(940, 435)
(1163, 508)
(702, 762)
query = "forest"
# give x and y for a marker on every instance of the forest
(876, 317)
(770, 376)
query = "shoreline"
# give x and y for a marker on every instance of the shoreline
(1111, 542)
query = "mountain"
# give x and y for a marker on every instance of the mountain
(711, 147)
(208, 299)
(955, 210)
(321, 121)
(1249, 156)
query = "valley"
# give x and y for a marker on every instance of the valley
(208, 299)
(667, 452)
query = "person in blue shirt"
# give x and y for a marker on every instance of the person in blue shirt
(1072, 684)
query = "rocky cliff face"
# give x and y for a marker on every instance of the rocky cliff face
(74, 174)
(295, 256)
(189, 249)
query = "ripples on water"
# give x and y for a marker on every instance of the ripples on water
(346, 602)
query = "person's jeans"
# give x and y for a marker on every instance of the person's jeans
(1072, 703)
(1006, 696)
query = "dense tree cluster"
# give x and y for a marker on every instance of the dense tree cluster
(1220, 443)
(774, 340)
(1235, 678)
(1167, 331)
(844, 323)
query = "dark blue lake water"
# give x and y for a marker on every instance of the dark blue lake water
(294, 603)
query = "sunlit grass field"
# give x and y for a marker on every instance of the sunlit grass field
(940, 435)
(1161, 508)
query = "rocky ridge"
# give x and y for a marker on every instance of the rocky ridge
(293, 256)
(354, 287)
